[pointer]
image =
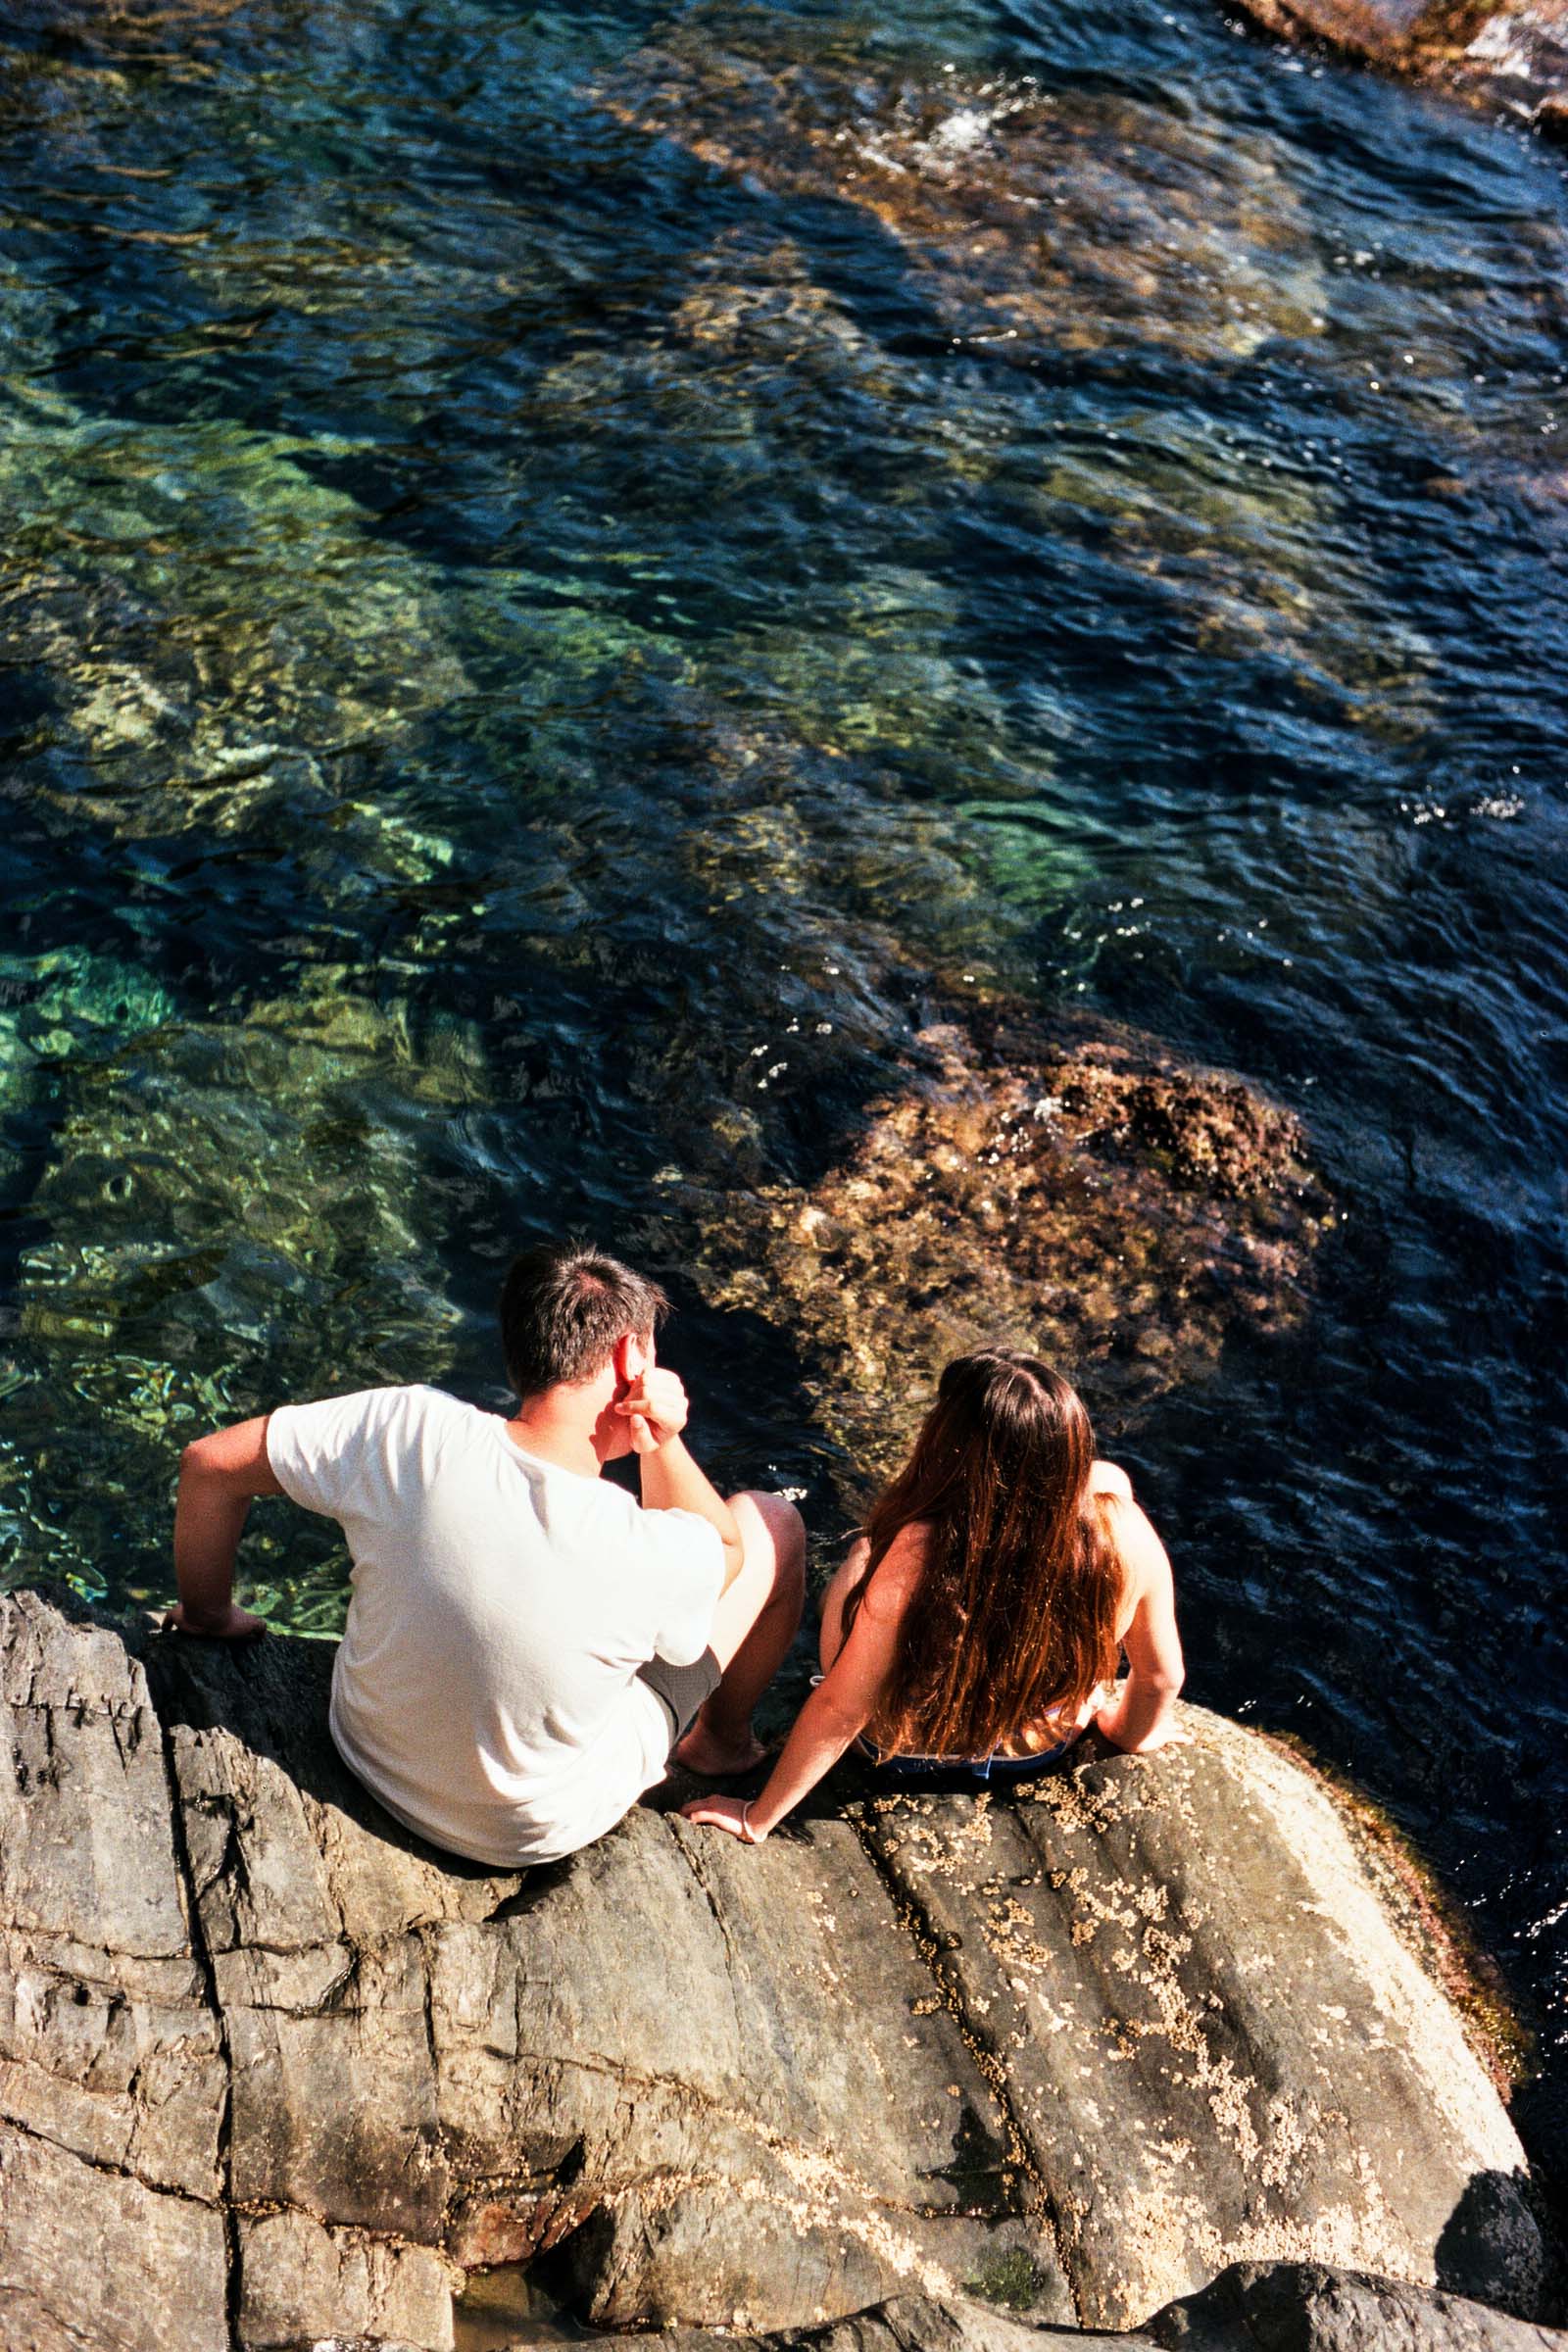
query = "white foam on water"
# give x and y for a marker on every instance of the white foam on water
(961, 132)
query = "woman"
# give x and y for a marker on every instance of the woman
(979, 1617)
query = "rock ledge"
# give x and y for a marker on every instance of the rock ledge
(274, 2072)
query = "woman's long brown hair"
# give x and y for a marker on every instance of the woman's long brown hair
(1015, 1616)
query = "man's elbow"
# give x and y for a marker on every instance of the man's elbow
(228, 1462)
(196, 1458)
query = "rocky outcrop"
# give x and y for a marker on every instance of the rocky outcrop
(1300, 2307)
(1515, 51)
(272, 2071)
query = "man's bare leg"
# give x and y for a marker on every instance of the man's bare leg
(753, 1624)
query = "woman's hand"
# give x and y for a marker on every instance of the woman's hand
(1163, 1735)
(841, 1705)
(724, 1813)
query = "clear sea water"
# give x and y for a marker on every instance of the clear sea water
(530, 535)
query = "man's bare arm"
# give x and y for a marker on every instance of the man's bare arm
(671, 1481)
(219, 1475)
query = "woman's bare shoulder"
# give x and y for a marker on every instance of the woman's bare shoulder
(1133, 1536)
(1108, 1482)
(899, 1570)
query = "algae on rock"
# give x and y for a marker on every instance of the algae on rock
(208, 1172)
(298, 636)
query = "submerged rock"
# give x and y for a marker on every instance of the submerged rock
(1022, 222)
(205, 1167)
(195, 697)
(1087, 1196)
(273, 2072)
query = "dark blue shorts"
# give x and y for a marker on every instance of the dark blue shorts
(966, 1772)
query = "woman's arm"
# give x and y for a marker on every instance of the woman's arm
(1142, 1715)
(841, 1704)
(218, 1477)
(830, 1633)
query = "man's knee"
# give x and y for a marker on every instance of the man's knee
(784, 1529)
(771, 1582)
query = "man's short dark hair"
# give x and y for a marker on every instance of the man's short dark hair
(563, 1307)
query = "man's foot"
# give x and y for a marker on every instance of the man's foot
(713, 1758)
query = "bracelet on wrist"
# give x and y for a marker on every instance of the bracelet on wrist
(747, 1833)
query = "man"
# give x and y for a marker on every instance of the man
(526, 1645)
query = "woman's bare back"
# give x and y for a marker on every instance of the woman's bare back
(898, 1572)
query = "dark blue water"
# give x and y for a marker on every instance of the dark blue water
(550, 556)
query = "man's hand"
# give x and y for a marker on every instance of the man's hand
(232, 1625)
(655, 1406)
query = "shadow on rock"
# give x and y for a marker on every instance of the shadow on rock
(1491, 2244)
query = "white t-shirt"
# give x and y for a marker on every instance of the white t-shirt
(486, 1686)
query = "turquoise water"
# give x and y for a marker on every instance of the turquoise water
(560, 566)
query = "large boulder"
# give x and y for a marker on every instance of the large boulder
(271, 2071)
(1301, 2307)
